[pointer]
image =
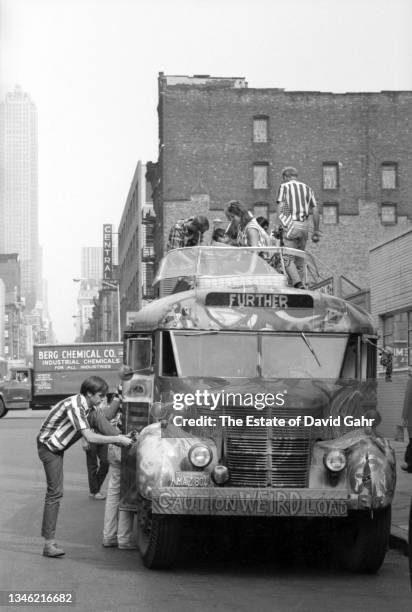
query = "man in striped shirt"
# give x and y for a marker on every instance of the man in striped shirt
(295, 202)
(66, 423)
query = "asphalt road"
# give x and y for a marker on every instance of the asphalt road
(110, 579)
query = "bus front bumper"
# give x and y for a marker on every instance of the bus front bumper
(230, 501)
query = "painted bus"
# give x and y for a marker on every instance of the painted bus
(254, 401)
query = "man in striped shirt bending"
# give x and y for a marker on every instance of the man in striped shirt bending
(66, 423)
(295, 202)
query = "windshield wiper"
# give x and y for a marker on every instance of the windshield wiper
(308, 344)
(187, 332)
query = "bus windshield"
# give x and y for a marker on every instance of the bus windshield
(221, 355)
(243, 355)
(289, 356)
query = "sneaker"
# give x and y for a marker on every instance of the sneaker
(299, 285)
(127, 546)
(52, 550)
(98, 495)
(109, 543)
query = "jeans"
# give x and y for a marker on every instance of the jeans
(97, 466)
(295, 265)
(53, 467)
(118, 524)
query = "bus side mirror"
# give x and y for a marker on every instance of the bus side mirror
(125, 373)
(139, 354)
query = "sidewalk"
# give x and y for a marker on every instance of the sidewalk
(401, 502)
(26, 414)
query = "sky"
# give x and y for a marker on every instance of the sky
(91, 68)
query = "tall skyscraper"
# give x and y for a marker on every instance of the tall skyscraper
(18, 188)
(92, 262)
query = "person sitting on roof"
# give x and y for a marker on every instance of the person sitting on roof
(220, 238)
(187, 232)
(250, 233)
(263, 222)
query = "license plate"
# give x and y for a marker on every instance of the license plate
(191, 479)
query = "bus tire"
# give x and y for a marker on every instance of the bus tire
(3, 409)
(365, 540)
(157, 536)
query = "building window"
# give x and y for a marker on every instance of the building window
(388, 214)
(330, 175)
(260, 129)
(330, 213)
(260, 175)
(389, 175)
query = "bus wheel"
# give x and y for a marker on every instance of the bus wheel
(3, 409)
(365, 540)
(157, 536)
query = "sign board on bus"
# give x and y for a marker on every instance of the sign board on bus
(259, 300)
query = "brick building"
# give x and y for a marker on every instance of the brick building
(221, 140)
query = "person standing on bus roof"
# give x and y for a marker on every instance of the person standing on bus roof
(187, 232)
(295, 202)
(66, 423)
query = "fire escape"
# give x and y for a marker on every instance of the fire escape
(148, 253)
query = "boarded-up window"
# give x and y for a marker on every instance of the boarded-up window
(260, 176)
(389, 176)
(388, 213)
(330, 176)
(260, 129)
(330, 214)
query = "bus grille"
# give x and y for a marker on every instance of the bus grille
(267, 456)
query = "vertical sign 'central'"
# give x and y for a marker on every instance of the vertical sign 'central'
(107, 252)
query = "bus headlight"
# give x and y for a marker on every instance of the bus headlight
(335, 460)
(200, 455)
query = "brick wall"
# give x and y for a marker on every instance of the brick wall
(344, 247)
(206, 138)
(207, 135)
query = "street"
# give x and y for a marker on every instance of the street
(110, 579)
